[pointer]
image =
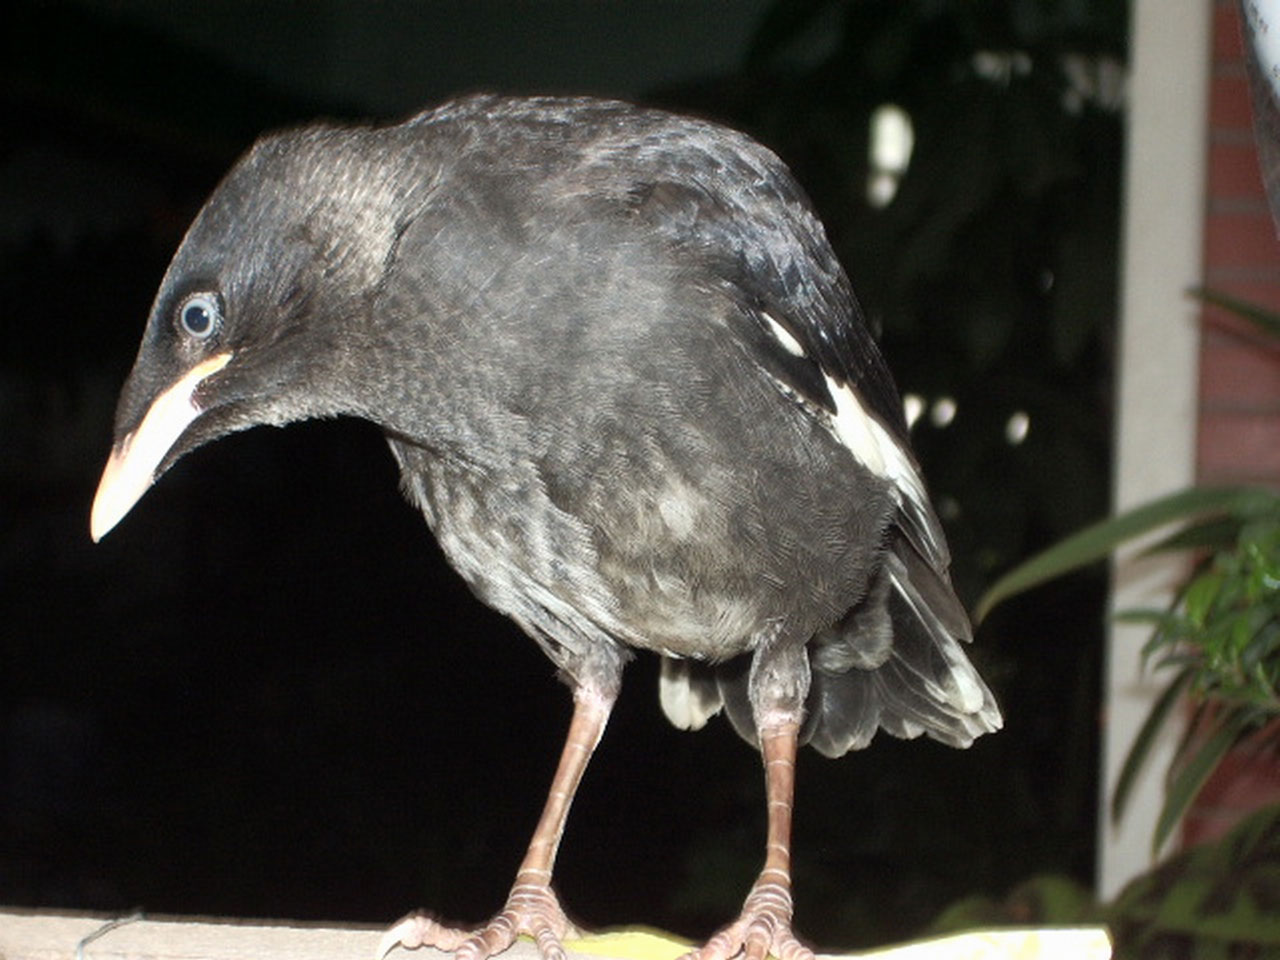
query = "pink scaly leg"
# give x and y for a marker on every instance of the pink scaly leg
(532, 908)
(764, 926)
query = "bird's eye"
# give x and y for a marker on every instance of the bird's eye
(200, 315)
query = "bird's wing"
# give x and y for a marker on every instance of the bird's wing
(796, 317)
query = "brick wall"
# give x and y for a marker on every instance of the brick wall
(1238, 437)
(1239, 418)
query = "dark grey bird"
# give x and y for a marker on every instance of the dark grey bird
(628, 385)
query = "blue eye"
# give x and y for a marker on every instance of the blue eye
(200, 315)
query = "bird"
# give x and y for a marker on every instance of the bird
(629, 387)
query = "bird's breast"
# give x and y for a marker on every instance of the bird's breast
(610, 475)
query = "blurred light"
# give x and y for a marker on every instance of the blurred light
(1001, 66)
(890, 146)
(1096, 80)
(1015, 430)
(912, 408)
(942, 412)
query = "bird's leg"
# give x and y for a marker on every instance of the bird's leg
(764, 926)
(532, 908)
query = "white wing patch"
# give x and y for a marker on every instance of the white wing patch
(867, 439)
(789, 343)
(872, 444)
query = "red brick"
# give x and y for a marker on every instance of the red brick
(1238, 448)
(1227, 45)
(1233, 170)
(1241, 238)
(1239, 376)
(1261, 288)
(1239, 382)
(1229, 106)
(1253, 284)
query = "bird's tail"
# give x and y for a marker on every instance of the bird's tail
(893, 663)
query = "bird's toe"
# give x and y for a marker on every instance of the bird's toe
(532, 910)
(420, 930)
(763, 929)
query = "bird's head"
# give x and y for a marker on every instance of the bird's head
(263, 308)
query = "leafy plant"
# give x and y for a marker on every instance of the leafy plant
(1221, 635)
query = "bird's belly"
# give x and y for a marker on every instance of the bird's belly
(669, 615)
(647, 552)
(705, 568)
(561, 579)
(652, 578)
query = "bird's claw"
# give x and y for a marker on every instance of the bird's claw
(763, 929)
(420, 930)
(532, 910)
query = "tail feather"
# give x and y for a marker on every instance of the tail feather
(894, 663)
(925, 686)
(688, 693)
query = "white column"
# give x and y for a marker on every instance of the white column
(1155, 429)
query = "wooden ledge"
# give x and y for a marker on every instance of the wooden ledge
(58, 936)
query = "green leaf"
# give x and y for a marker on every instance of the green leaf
(1097, 541)
(1190, 777)
(1200, 595)
(1137, 755)
(1217, 532)
(1267, 320)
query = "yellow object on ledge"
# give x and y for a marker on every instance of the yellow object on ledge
(1061, 943)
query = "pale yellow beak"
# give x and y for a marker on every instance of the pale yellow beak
(131, 468)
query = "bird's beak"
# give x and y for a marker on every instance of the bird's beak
(131, 468)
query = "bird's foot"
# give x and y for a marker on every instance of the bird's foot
(532, 910)
(762, 929)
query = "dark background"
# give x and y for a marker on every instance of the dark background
(265, 695)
